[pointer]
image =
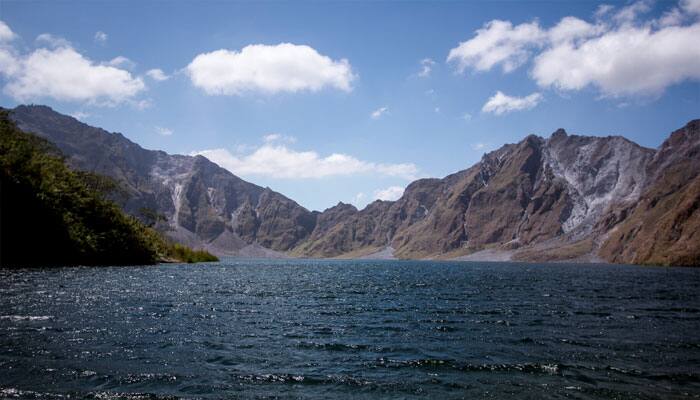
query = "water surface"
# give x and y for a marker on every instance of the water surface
(342, 329)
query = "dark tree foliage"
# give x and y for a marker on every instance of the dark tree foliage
(51, 215)
(150, 216)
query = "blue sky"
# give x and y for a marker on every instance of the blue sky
(350, 101)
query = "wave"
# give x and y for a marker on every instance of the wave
(26, 317)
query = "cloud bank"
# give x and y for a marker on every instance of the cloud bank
(618, 53)
(392, 193)
(279, 161)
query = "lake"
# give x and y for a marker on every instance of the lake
(348, 329)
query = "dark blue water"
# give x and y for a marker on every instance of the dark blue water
(341, 329)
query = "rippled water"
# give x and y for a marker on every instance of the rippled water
(330, 329)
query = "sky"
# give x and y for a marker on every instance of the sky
(351, 101)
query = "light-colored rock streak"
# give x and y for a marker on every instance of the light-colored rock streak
(594, 184)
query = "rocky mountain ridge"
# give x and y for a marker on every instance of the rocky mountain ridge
(566, 197)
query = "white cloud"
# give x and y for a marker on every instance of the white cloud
(570, 29)
(378, 113)
(284, 67)
(272, 137)
(52, 41)
(467, 117)
(276, 137)
(603, 10)
(618, 54)
(391, 193)
(80, 115)
(163, 131)
(6, 34)
(121, 61)
(686, 10)
(691, 6)
(501, 103)
(157, 74)
(497, 43)
(9, 63)
(672, 17)
(627, 61)
(426, 67)
(141, 104)
(630, 13)
(64, 74)
(279, 161)
(479, 146)
(358, 200)
(100, 37)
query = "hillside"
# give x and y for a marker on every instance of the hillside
(51, 215)
(565, 197)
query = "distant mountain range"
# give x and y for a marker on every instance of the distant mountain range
(562, 198)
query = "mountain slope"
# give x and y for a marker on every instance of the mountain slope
(663, 227)
(566, 197)
(43, 202)
(543, 194)
(203, 205)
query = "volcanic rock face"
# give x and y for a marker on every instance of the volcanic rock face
(204, 205)
(564, 198)
(663, 227)
(567, 197)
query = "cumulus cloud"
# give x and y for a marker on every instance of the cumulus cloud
(163, 131)
(691, 6)
(279, 161)
(603, 10)
(80, 115)
(285, 67)
(632, 60)
(58, 71)
(426, 67)
(157, 74)
(64, 74)
(9, 63)
(6, 34)
(52, 41)
(570, 29)
(497, 43)
(378, 113)
(122, 62)
(501, 103)
(100, 37)
(277, 137)
(392, 193)
(618, 53)
(358, 199)
(630, 13)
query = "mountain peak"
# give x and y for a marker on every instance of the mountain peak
(559, 133)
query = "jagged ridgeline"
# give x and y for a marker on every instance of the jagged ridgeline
(52, 215)
(565, 197)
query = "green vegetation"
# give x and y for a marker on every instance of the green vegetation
(185, 254)
(51, 215)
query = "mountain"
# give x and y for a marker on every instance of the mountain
(44, 202)
(543, 193)
(566, 197)
(202, 204)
